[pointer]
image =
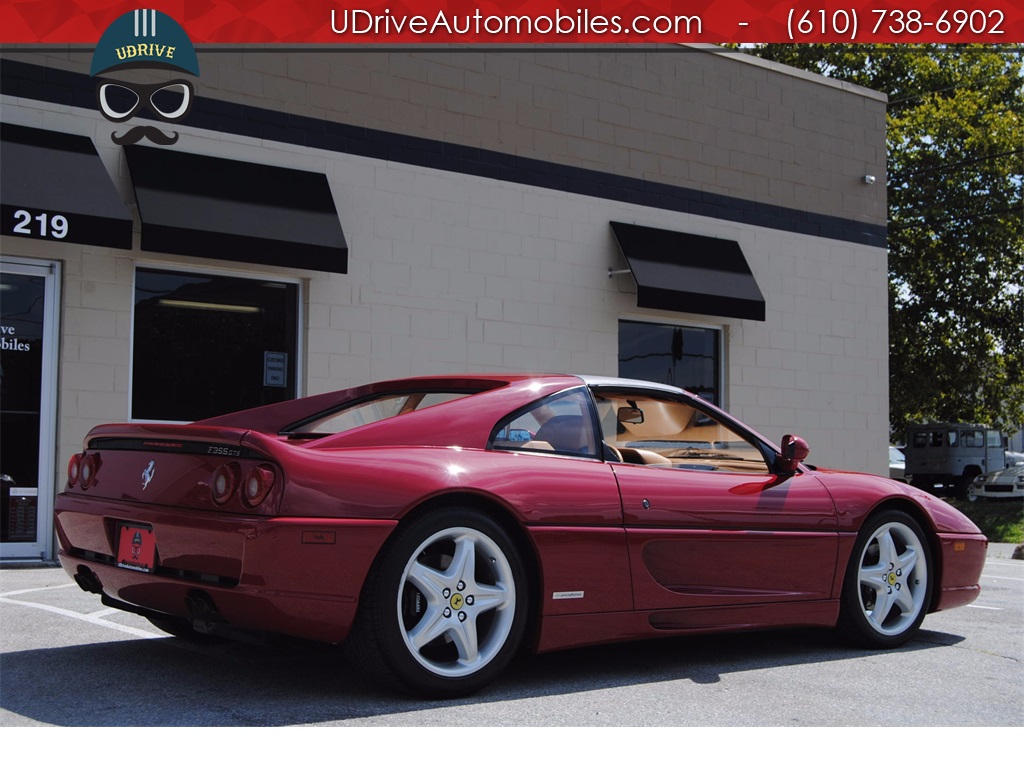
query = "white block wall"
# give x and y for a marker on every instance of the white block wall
(451, 273)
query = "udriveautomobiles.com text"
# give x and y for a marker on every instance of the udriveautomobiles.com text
(444, 23)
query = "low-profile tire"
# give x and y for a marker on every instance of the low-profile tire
(182, 629)
(444, 608)
(888, 584)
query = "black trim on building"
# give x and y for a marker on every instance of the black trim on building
(680, 272)
(63, 87)
(196, 205)
(53, 186)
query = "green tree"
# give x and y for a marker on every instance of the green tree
(955, 139)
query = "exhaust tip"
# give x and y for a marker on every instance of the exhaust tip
(203, 612)
(88, 580)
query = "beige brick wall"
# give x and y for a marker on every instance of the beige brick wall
(451, 272)
(693, 116)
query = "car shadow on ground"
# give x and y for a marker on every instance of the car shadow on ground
(173, 683)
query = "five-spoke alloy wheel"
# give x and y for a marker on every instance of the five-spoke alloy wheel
(887, 589)
(445, 609)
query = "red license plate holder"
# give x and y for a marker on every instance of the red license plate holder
(136, 547)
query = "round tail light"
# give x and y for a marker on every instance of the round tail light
(89, 467)
(225, 482)
(74, 470)
(258, 482)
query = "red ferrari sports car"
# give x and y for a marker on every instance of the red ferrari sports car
(438, 525)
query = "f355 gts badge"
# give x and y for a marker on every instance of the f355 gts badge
(147, 474)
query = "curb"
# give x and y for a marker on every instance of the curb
(1001, 551)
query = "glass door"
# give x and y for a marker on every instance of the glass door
(28, 376)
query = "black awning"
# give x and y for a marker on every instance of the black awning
(53, 186)
(681, 272)
(196, 205)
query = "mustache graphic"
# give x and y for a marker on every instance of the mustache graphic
(139, 132)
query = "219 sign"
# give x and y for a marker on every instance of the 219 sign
(45, 225)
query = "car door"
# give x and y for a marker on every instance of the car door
(568, 497)
(708, 523)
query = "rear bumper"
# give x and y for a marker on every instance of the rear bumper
(963, 558)
(293, 576)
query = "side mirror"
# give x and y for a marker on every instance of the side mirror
(794, 451)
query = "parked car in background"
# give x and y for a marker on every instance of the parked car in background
(1006, 484)
(897, 464)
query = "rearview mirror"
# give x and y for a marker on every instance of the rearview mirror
(794, 451)
(631, 415)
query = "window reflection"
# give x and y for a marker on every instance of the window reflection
(671, 354)
(201, 344)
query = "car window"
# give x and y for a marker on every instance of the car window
(973, 439)
(377, 409)
(561, 424)
(665, 433)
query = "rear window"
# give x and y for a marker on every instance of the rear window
(371, 411)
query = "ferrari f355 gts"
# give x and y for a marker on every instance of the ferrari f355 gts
(437, 526)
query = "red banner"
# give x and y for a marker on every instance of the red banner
(484, 22)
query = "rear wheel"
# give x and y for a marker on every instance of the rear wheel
(444, 611)
(888, 585)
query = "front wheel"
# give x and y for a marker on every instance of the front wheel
(444, 611)
(960, 487)
(888, 585)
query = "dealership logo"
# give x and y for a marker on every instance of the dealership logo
(135, 46)
(136, 545)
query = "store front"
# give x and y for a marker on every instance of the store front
(60, 216)
(28, 321)
(409, 213)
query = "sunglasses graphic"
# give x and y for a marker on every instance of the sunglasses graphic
(120, 101)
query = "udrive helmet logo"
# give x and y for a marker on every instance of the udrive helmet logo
(140, 41)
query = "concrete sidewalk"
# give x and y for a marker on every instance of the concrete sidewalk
(1001, 551)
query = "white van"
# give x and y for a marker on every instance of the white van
(950, 456)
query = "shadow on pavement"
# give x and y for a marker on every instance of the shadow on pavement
(171, 683)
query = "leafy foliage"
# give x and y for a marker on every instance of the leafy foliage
(956, 222)
(1000, 521)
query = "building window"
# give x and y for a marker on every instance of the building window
(672, 354)
(206, 345)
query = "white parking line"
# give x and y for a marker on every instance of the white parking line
(984, 607)
(89, 618)
(103, 612)
(38, 589)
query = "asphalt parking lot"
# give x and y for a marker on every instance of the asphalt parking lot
(65, 660)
